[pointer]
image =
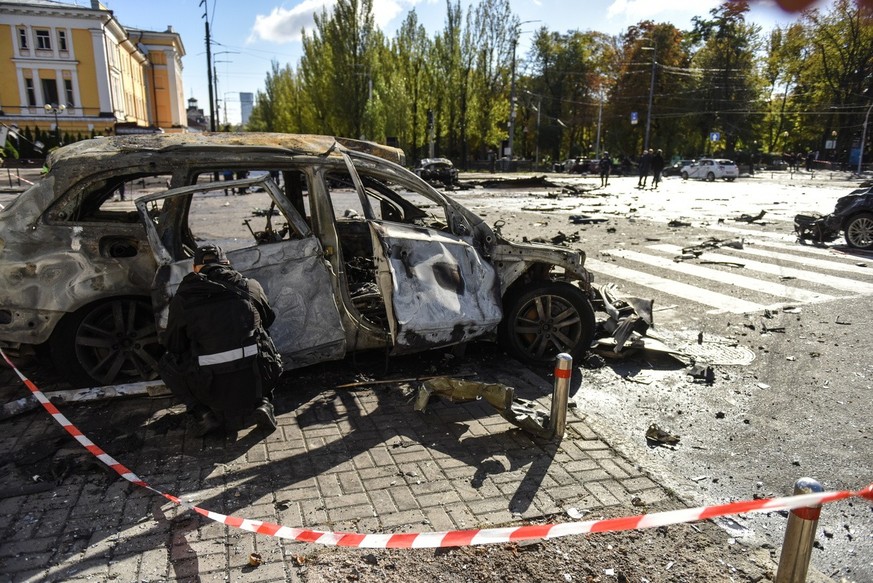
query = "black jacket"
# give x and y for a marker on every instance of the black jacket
(219, 353)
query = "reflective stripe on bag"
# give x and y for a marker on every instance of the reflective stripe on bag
(228, 355)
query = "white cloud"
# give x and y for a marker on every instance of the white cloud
(637, 10)
(282, 25)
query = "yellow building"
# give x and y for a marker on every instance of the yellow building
(72, 70)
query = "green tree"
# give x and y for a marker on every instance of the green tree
(728, 81)
(838, 75)
(494, 29)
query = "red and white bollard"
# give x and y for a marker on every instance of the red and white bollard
(560, 396)
(799, 536)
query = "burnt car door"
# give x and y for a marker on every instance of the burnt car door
(289, 264)
(438, 290)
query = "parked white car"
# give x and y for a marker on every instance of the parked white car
(710, 169)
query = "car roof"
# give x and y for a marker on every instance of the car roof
(304, 144)
(426, 161)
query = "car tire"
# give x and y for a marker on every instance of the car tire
(731, 179)
(710, 177)
(684, 176)
(108, 342)
(545, 319)
(859, 231)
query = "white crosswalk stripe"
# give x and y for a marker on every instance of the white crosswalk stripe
(779, 290)
(802, 271)
(840, 283)
(721, 302)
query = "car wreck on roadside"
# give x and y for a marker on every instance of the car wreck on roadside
(354, 251)
(438, 171)
(852, 215)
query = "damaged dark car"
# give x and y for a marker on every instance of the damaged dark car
(438, 170)
(852, 216)
(354, 251)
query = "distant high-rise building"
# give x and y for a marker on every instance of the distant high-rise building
(76, 70)
(246, 103)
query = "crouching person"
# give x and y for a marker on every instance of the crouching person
(220, 360)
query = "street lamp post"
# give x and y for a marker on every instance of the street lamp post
(537, 108)
(56, 109)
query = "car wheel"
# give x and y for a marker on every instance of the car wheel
(546, 319)
(731, 179)
(710, 177)
(859, 231)
(684, 176)
(108, 342)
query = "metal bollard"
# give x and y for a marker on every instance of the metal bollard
(799, 536)
(560, 396)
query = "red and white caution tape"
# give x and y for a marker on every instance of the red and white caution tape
(455, 538)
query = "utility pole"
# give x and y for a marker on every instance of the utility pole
(209, 67)
(651, 95)
(512, 99)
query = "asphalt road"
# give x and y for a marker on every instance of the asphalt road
(799, 408)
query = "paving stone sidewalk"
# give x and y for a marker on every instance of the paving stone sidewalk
(356, 459)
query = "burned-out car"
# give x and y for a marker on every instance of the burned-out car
(354, 251)
(852, 215)
(438, 170)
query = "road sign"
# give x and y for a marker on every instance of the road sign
(634, 118)
(714, 136)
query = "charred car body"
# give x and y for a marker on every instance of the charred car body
(354, 251)
(853, 215)
(438, 170)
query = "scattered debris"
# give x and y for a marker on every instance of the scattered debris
(593, 361)
(744, 218)
(638, 378)
(140, 389)
(678, 223)
(524, 182)
(520, 412)
(725, 263)
(627, 315)
(765, 329)
(699, 372)
(586, 219)
(575, 513)
(658, 436)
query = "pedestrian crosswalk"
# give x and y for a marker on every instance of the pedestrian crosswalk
(769, 271)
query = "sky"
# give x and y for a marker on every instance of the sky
(248, 35)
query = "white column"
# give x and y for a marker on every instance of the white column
(102, 71)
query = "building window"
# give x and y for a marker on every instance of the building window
(31, 94)
(43, 40)
(22, 38)
(50, 91)
(62, 40)
(68, 92)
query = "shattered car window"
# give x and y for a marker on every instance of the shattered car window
(222, 215)
(106, 199)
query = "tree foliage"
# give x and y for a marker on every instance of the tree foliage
(449, 93)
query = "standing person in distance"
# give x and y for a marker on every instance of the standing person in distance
(657, 168)
(220, 360)
(645, 165)
(605, 168)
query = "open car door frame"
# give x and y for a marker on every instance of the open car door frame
(293, 272)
